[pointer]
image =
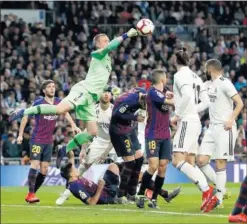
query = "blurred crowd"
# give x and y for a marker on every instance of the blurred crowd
(31, 53)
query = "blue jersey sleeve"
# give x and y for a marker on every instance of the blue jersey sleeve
(80, 192)
(157, 97)
(123, 112)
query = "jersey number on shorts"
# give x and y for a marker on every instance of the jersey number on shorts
(36, 149)
(152, 145)
(197, 89)
(127, 144)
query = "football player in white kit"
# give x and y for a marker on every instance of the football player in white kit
(188, 89)
(99, 149)
(219, 140)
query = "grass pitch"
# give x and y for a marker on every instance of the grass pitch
(184, 209)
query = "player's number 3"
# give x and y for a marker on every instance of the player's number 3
(36, 149)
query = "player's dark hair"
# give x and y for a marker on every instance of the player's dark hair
(214, 64)
(96, 38)
(182, 57)
(46, 83)
(156, 74)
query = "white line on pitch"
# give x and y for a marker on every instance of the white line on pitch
(118, 209)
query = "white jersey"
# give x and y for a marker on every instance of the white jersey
(103, 121)
(220, 92)
(183, 77)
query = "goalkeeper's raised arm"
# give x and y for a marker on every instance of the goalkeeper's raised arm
(101, 42)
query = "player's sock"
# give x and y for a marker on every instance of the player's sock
(125, 177)
(78, 140)
(82, 169)
(135, 176)
(209, 173)
(245, 209)
(194, 174)
(220, 183)
(41, 109)
(242, 199)
(39, 181)
(31, 180)
(163, 193)
(146, 178)
(158, 183)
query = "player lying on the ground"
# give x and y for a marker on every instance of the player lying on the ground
(125, 142)
(89, 192)
(41, 140)
(157, 135)
(188, 90)
(101, 145)
(221, 136)
(239, 212)
(84, 94)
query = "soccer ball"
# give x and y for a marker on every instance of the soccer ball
(145, 27)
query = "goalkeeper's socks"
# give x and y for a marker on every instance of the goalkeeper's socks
(39, 181)
(125, 178)
(78, 140)
(41, 109)
(146, 178)
(31, 180)
(133, 182)
(242, 199)
(158, 183)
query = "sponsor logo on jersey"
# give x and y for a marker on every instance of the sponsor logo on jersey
(50, 117)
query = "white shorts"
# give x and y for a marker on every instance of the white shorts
(186, 137)
(218, 143)
(97, 151)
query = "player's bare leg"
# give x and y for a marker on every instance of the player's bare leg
(32, 176)
(197, 177)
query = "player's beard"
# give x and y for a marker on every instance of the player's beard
(50, 95)
(208, 75)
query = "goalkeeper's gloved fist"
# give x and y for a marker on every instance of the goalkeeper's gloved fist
(132, 32)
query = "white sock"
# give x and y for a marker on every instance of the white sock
(209, 173)
(82, 169)
(220, 183)
(67, 193)
(194, 174)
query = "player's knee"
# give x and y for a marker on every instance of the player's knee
(162, 169)
(152, 168)
(93, 132)
(35, 164)
(201, 161)
(138, 154)
(113, 168)
(220, 163)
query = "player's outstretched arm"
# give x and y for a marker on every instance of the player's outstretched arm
(101, 53)
(93, 200)
(75, 129)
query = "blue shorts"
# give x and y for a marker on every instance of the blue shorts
(41, 152)
(160, 148)
(110, 189)
(126, 144)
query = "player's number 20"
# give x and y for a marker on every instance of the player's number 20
(197, 89)
(36, 149)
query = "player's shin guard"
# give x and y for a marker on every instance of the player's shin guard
(32, 180)
(146, 178)
(41, 109)
(242, 199)
(125, 177)
(135, 176)
(39, 181)
(78, 140)
(158, 183)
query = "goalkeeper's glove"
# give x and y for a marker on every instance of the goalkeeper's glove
(131, 33)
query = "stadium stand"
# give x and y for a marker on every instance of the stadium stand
(59, 50)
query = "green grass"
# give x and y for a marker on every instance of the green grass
(184, 209)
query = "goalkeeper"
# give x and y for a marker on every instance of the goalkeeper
(84, 94)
